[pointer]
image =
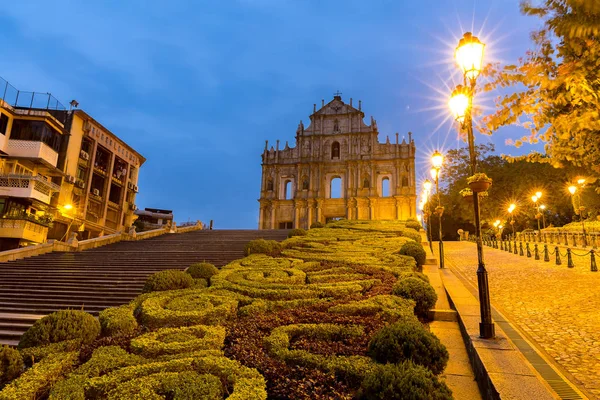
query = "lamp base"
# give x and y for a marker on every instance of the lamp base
(486, 330)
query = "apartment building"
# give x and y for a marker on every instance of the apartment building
(61, 172)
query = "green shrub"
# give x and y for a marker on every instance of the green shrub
(317, 225)
(421, 292)
(388, 306)
(202, 270)
(170, 279)
(262, 246)
(60, 326)
(408, 340)
(411, 234)
(185, 308)
(413, 224)
(404, 381)
(179, 340)
(118, 321)
(11, 364)
(416, 251)
(297, 232)
(39, 379)
(348, 367)
(413, 274)
(31, 355)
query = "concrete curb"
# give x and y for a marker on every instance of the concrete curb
(500, 369)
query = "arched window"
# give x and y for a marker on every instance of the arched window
(336, 188)
(385, 187)
(335, 150)
(288, 190)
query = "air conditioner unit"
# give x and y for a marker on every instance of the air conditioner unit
(70, 179)
(84, 155)
(95, 192)
(129, 185)
(135, 188)
(80, 184)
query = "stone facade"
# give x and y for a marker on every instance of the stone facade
(337, 155)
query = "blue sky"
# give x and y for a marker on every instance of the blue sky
(198, 86)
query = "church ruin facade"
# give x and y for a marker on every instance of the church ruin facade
(338, 169)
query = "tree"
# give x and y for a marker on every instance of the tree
(556, 95)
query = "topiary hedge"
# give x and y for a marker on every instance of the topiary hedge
(202, 270)
(416, 289)
(414, 250)
(411, 234)
(413, 224)
(317, 225)
(297, 232)
(11, 364)
(413, 274)
(262, 246)
(36, 382)
(408, 340)
(388, 306)
(118, 321)
(348, 367)
(170, 279)
(179, 340)
(61, 326)
(405, 381)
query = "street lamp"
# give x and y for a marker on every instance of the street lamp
(427, 212)
(437, 159)
(511, 208)
(535, 199)
(579, 209)
(543, 208)
(469, 56)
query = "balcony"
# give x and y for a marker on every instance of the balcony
(23, 229)
(27, 186)
(32, 149)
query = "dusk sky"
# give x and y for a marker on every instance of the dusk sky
(198, 86)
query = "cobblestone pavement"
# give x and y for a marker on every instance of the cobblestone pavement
(558, 307)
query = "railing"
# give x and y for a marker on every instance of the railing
(27, 186)
(32, 149)
(566, 238)
(23, 229)
(32, 100)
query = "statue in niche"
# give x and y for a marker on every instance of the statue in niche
(404, 181)
(270, 185)
(366, 183)
(336, 126)
(305, 183)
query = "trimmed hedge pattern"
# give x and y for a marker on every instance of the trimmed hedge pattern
(179, 340)
(116, 321)
(169, 279)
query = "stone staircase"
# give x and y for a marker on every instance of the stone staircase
(108, 276)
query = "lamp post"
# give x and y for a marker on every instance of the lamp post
(469, 56)
(511, 208)
(579, 209)
(535, 199)
(437, 159)
(427, 191)
(543, 212)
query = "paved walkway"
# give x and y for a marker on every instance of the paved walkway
(558, 308)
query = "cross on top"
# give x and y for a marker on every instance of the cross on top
(338, 93)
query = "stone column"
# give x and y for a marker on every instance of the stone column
(296, 214)
(274, 207)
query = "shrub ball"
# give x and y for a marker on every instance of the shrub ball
(418, 290)
(169, 279)
(297, 232)
(411, 234)
(262, 246)
(202, 270)
(60, 326)
(405, 381)
(11, 364)
(408, 340)
(416, 251)
(413, 224)
(317, 225)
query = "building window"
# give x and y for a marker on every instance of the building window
(335, 150)
(336, 188)
(3, 123)
(288, 187)
(385, 187)
(286, 225)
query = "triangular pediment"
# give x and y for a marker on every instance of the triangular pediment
(336, 107)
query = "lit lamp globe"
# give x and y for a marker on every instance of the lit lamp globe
(459, 103)
(469, 55)
(572, 189)
(538, 195)
(434, 173)
(511, 208)
(427, 185)
(534, 199)
(437, 159)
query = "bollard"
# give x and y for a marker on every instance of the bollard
(566, 241)
(521, 249)
(593, 268)
(574, 236)
(528, 251)
(515, 246)
(509, 247)
(558, 262)
(536, 254)
(546, 254)
(502, 245)
(569, 259)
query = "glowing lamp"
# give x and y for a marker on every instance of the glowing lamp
(469, 55)
(572, 189)
(534, 199)
(437, 159)
(538, 195)
(434, 173)
(543, 206)
(581, 181)
(68, 207)
(511, 208)
(459, 103)
(427, 185)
